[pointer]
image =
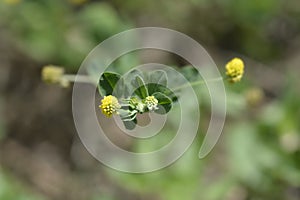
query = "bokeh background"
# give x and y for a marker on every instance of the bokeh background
(258, 155)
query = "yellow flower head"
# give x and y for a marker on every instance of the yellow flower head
(151, 103)
(109, 105)
(52, 74)
(235, 70)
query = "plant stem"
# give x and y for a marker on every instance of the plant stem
(78, 78)
(200, 82)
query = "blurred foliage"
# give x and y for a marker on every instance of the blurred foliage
(258, 155)
(56, 31)
(11, 189)
(261, 29)
(261, 159)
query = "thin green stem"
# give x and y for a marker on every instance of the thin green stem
(200, 82)
(78, 78)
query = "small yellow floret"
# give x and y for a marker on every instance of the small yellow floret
(109, 105)
(52, 74)
(235, 70)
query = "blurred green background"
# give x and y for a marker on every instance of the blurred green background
(258, 155)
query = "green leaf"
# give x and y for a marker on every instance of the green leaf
(107, 83)
(130, 125)
(154, 88)
(156, 79)
(119, 88)
(164, 103)
(141, 90)
(133, 73)
(128, 89)
(159, 77)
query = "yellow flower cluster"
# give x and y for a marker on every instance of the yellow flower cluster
(151, 103)
(54, 75)
(235, 70)
(109, 105)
